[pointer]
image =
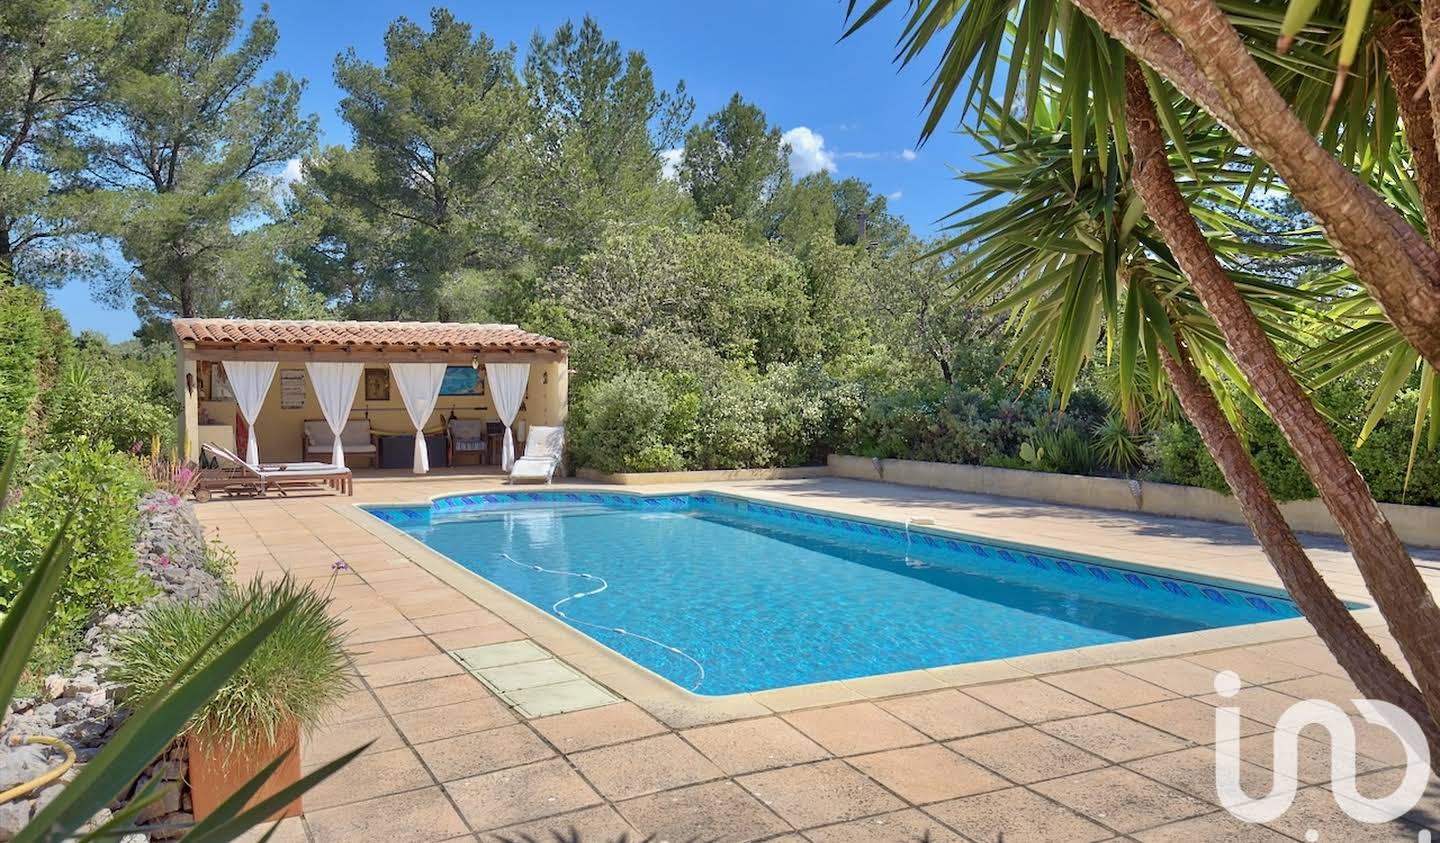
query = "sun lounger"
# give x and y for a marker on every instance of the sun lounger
(234, 476)
(544, 448)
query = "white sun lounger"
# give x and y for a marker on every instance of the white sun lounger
(543, 450)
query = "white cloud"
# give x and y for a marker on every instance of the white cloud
(899, 194)
(670, 163)
(292, 172)
(908, 155)
(860, 156)
(807, 152)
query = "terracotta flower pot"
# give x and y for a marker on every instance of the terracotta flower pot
(218, 770)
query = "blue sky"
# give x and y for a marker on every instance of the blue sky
(845, 104)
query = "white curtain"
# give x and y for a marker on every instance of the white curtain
(335, 386)
(419, 385)
(250, 380)
(507, 383)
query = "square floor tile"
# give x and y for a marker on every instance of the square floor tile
(329, 742)
(600, 726)
(1182, 677)
(482, 752)
(854, 728)
(1026, 754)
(716, 811)
(1108, 687)
(1016, 816)
(900, 827)
(746, 746)
(448, 721)
(600, 824)
(929, 773)
(1219, 827)
(1192, 771)
(822, 793)
(495, 655)
(1113, 737)
(945, 715)
(369, 776)
(430, 693)
(1187, 718)
(1121, 799)
(644, 766)
(392, 650)
(417, 816)
(521, 794)
(560, 698)
(1255, 667)
(381, 674)
(518, 677)
(1032, 701)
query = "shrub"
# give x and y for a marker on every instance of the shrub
(296, 674)
(100, 489)
(1117, 447)
(33, 342)
(105, 403)
(637, 421)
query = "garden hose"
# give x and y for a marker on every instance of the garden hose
(46, 777)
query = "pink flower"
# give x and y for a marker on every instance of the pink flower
(164, 560)
(173, 500)
(137, 447)
(340, 565)
(183, 476)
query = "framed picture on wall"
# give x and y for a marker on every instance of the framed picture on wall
(377, 384)
(462, 380)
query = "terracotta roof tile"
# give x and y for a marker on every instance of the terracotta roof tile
(315, 332)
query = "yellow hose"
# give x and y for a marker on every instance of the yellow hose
(46, 777)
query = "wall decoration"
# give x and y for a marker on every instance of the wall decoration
(217, 386)
(377, 384)
(292, 389)
(462, 380)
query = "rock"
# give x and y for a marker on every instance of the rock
(54, 686)
(13, 816)
(174, 825)
(135, 838)
(20, 764)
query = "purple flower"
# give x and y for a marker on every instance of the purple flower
(164, 560)
(137, 447)
(173, 500)
(183, 476)
(339, 565)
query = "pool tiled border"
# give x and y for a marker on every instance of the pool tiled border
(680, 708)
(1156, 580)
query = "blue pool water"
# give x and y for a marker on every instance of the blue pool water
(752, 596)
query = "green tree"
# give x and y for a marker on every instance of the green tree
(599, 125)
(53, 72)
(192, 144)
(428, 191)
(735, 160)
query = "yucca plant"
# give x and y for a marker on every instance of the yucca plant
(1117, 446)
(150, 729)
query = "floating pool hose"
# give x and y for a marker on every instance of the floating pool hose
(46, 777)
(615, 629)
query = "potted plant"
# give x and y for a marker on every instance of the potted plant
(259, 713)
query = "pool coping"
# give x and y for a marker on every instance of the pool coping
(681, 708)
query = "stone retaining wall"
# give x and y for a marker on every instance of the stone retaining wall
(647, 478)
(1417, 525)
(79, 705)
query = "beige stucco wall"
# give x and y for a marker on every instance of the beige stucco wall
(279, 429)
(1418, 525)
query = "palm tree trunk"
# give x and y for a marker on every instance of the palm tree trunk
(1397, 266)
(1368, 666)
(1385, 564)
(1402, 42)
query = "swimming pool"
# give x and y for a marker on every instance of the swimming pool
(722, 594)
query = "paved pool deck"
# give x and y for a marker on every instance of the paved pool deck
(1113, 742)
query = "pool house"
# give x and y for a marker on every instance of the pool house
(404, 396)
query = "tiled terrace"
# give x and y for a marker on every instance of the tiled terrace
(1073, 750)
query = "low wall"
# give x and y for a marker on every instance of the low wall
(1417, 525)
(649, 478)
